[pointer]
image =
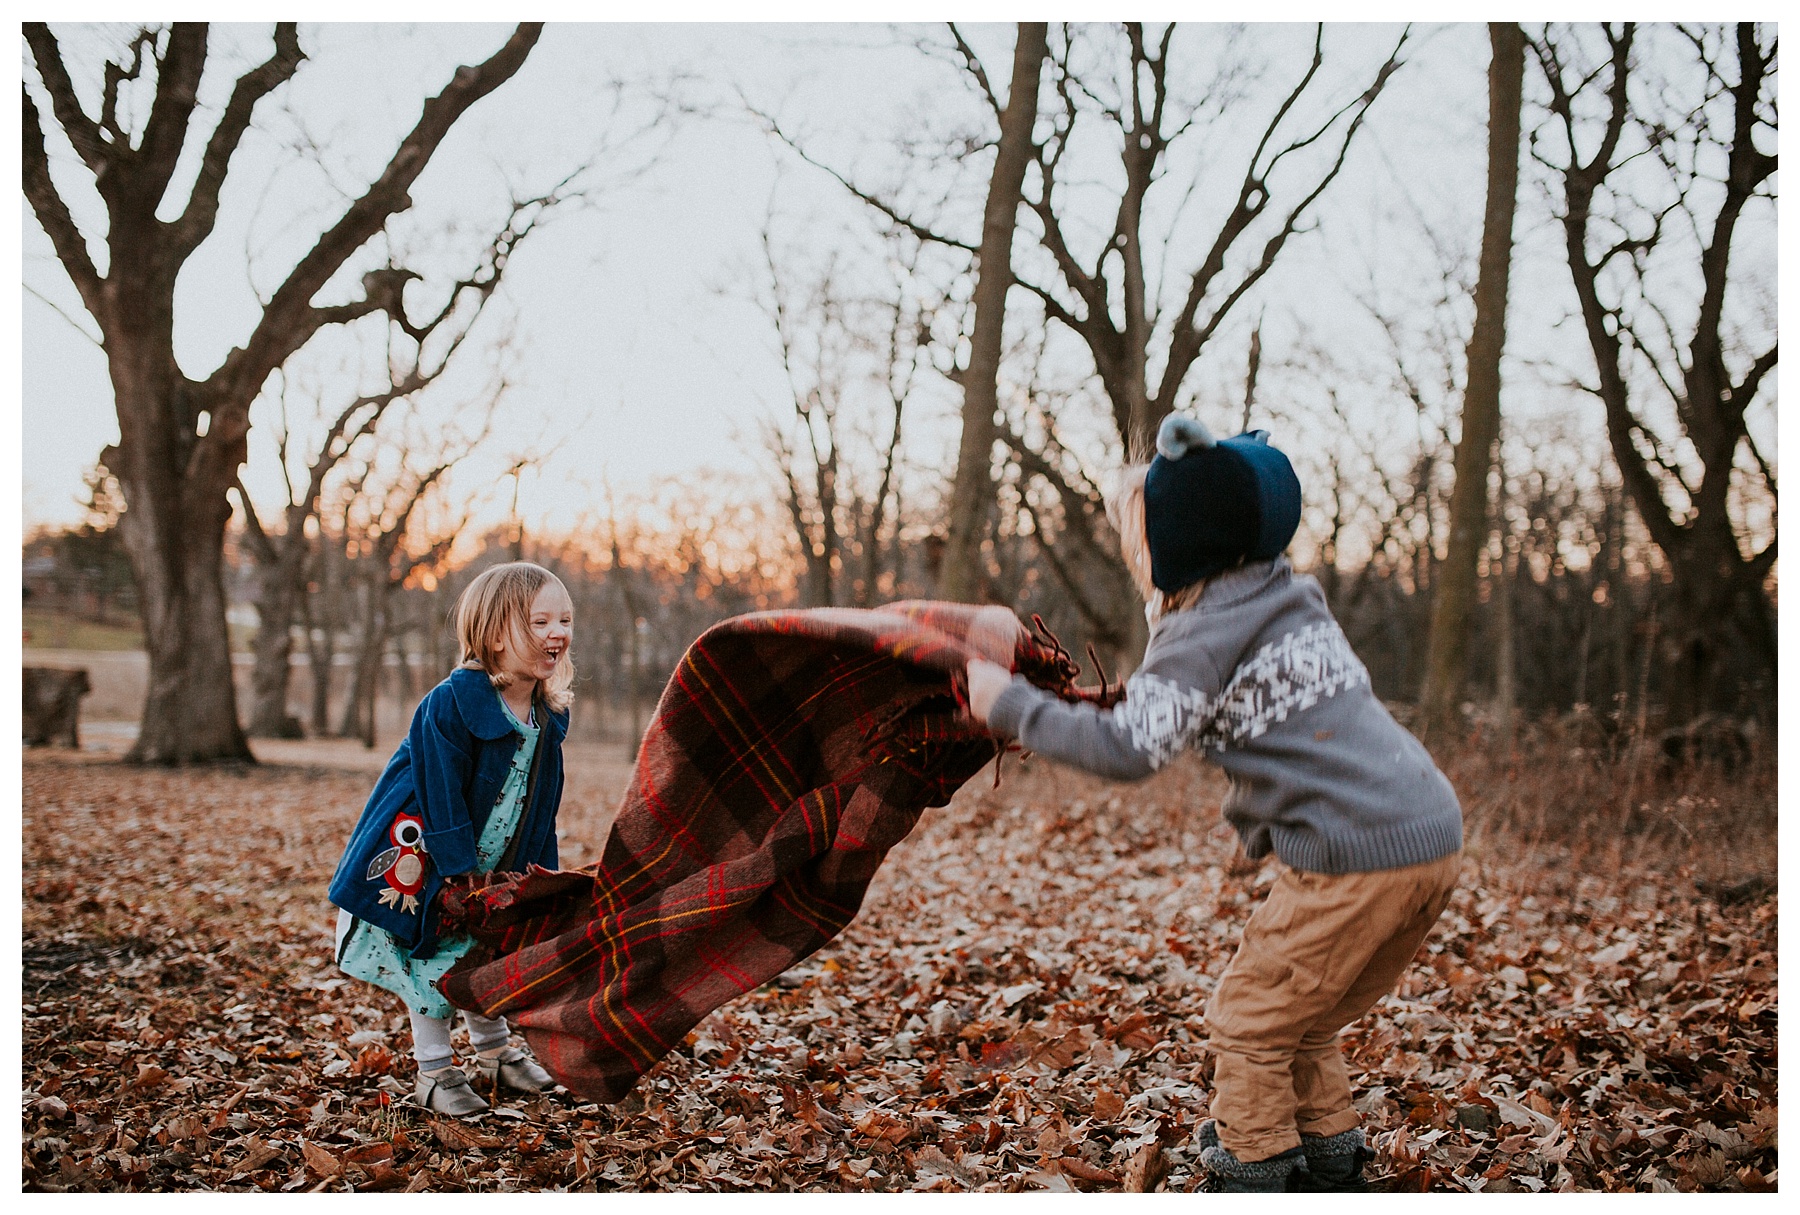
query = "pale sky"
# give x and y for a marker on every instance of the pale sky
(638, 352)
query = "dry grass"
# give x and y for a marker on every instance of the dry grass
(1575, 810)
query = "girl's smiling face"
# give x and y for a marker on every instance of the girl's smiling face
(546, 635)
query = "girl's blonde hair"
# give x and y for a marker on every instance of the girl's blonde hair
(496, 607)
(1125, 511)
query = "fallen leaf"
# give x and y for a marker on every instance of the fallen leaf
(1010, 996)
(320, 1161)
(1146, 1169)
(459, 1138)
(1075, 1166)
(202, 954)
(1520, 1115)
(370, 1153)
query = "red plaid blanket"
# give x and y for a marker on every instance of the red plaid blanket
(789, 752)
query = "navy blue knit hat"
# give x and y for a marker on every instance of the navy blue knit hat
(1209, 504)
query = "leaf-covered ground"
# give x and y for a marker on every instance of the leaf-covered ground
(1018, 1007)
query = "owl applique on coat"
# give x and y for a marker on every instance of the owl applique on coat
(403, 865)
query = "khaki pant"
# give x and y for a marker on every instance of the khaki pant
(1316, 956)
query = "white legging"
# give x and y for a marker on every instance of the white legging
(431, 1038)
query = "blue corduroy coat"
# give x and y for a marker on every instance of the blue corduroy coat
(449, 772)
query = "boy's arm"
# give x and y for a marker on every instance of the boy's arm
(442, 763)
(1167, 703)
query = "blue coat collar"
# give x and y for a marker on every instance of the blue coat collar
(479, 705)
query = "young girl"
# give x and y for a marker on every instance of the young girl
(474, 787)
(1246, 663)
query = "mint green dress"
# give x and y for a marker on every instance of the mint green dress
(373, 954)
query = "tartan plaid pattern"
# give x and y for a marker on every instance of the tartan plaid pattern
(789, 752)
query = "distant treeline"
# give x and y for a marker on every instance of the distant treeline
(1585, 591)
(1582, 632)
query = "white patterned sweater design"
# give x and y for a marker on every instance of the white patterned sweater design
(1283, 677)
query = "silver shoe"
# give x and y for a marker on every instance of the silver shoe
(448, 1092)
(515, 1069)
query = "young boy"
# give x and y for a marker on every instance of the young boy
(1246, 663)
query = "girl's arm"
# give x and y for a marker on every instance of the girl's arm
(1167, 703)
(443, 757)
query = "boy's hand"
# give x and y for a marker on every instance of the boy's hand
(986, 681)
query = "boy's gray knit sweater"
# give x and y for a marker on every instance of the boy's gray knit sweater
(1261, 679)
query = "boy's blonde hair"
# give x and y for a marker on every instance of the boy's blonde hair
(1125, 511)
(497, 607)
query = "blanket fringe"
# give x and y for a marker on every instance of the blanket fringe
(1105, 696)
(1001, 754)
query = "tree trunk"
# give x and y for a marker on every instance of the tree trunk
(358, 719)
(1503, 577)
(181, 442)
(1693, 526)
(1447, 660)
(1618, 602)
(633, 646)
(403, 690)
(972, 492)
(280, 585)
(174, 531)
(1706, 593)
(322, 649)
(190, 708)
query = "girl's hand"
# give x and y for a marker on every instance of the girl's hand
(986, 681)
(996, 633)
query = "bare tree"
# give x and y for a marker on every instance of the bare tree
(1107, 289)
(1110, 294)
(816, 388)
(182, 440)
(629, 631)
(382, 538)
(900, 349)
(850, 356)
(1657, 179)
(972, 488)
(1107, 295)
(417, 356)
(1447, 658)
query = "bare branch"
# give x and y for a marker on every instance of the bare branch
(1293, 97)
(82, 132)
(53, 213)
(1085, 285)
(178, 73)
(1762, 465)
(1629, 331)
(1745, 391)
(57, 308)
(1091, 615)
(1580, 181)
(893, 213)
(260, 546)
(1077, 503)
(1053, 307)
(1253, 196)
(972, 63)
(290, 319)
(116, 75)
(196, 221)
